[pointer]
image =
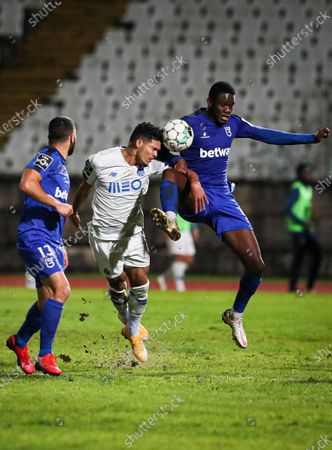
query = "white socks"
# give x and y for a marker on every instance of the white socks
(137, 300)
(178, 270)
(119, 300)
(131, 307)
(171, 214)
(236, 315)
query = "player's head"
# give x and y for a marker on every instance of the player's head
(146, 139)
(221, 101)
(61, 130)
(303, 173)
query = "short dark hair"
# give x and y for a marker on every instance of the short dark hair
(147, 132)
(220, 87)
(59, 129)
(302, 167)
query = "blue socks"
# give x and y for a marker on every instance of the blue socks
(169, 196)
(51, 316)
(46, 321)
(30, 326)
(248, 286)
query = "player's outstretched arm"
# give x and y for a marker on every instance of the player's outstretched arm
(81, 195)
(30, 185)
(277, 137)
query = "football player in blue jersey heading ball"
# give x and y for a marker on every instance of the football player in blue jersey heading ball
(210, 199)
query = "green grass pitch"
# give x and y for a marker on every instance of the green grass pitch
(197, 391)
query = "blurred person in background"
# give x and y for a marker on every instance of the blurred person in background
(301, 227)
(29, 280)
(182, 253)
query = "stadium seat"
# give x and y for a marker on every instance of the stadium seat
(108, 98)
(12, 14)
(11, 18)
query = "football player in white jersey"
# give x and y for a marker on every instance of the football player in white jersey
(119, 177)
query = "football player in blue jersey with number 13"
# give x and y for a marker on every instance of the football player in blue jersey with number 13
(213, 203)
(45, 183)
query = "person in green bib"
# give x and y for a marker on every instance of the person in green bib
(182, 252)
(298, 211)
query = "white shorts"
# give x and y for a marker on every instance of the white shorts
(184, 246)
(113, 256)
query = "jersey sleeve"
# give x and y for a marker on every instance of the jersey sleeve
(157, 167)
(247, 130)
(166, 156)
(89, 171)
(42, 163)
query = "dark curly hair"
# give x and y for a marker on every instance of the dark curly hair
(147, 132)
(59, 129)
(221, 87)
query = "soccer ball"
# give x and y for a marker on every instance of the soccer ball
(177, 135)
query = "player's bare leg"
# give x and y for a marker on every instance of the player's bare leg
(57, 286)
(244, 244)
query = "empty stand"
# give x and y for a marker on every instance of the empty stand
(134, 74)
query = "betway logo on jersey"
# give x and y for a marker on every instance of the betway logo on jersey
(115, 187)
(214, 152)
(60, 194)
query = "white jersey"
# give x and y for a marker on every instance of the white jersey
(118, 192)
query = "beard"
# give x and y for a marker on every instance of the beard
(71, 147)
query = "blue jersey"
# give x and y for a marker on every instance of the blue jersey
(40, 221)
(208, 155)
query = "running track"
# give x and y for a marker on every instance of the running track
(194, 285)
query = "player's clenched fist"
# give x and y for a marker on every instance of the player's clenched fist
(76, 220)
(199, 196)
(323, 133)
(64, 209)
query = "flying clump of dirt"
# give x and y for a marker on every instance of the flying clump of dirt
(65, 358)
(83, 316)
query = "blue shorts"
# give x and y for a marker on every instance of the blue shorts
(41, 257)
(222, 214)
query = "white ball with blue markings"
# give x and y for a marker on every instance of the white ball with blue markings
(177, 135)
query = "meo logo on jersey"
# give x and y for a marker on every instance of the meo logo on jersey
(115, 187)
(43, 161)
(60, 194)
(214, 152)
